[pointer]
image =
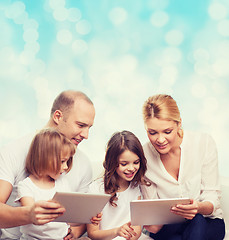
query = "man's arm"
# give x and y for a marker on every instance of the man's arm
(11, 216)
(39, 213)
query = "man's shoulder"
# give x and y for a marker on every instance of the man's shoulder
(19, 145)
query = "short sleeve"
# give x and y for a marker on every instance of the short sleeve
(25, 189)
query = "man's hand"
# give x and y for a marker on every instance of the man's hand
(42, 212)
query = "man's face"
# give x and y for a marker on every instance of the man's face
(75, 126)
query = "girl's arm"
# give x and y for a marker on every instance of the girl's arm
(127, 231)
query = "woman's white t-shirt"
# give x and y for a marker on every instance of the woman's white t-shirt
(198, 174)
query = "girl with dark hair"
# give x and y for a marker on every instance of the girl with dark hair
(124, 166)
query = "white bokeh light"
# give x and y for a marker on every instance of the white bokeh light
(22, 18)
(223, 28)
(220, 67)
(74, 14)
(32, 47)
(201, 54)
(79, 46)
(198, 90)
(118, 16)
(171, 55)
(83, 27)
(30, 23)
(15, 9)
(202, 67)
(217, 11)
(30, 35)
(64, 36)
(159, 19)
(60, 14)
(56, 3)
(174, 37)
(127, 63)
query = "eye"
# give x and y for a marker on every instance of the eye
(168, 132)
(123, 164)
(137, 162)
(152, 133)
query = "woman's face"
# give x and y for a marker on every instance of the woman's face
(163, 134)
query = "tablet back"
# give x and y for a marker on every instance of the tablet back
(155, 211)
(80, 207)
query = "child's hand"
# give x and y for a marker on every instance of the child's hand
(126, 231)
(96, 220)
(69, 235)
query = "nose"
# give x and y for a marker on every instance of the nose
(160, 138)
(65, 166)
(85, 133)
(130, 167)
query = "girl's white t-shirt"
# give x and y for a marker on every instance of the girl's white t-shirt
(52, 230)
(115, 216)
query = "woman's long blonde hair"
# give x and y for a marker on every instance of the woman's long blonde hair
(163, 107)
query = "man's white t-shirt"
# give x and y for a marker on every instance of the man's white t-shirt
(12, 170)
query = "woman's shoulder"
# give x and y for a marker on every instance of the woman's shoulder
(197, 136)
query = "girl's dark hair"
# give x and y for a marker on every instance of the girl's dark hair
(118, 143)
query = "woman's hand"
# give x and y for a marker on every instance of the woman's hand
(187, 211)
(126, 231)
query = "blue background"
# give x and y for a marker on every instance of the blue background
(119, 53)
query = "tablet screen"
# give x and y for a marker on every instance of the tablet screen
(155, 211)
(80, 207)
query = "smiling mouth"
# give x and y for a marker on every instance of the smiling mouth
(129, 175)
(162, 146)
(77, 141)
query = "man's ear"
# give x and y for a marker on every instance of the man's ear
(57, 116)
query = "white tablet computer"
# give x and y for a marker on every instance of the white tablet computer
(155, 211)
(80, 207)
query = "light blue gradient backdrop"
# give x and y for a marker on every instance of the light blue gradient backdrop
(119, 53)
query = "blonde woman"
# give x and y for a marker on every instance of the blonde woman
(181, 164)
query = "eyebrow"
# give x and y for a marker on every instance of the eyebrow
(82, 123)
(170, 128)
